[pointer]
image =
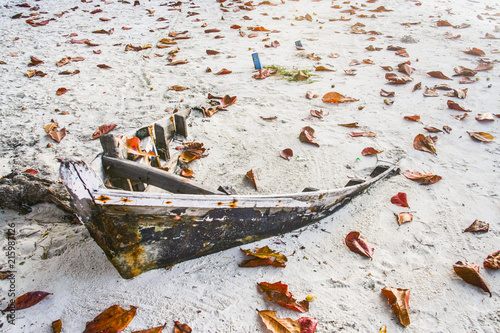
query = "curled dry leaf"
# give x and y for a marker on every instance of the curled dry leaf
(466, 80)
(405, 68)
(63, 61)
(113, 319)
(181, 328)
(250, 175)
(359, 244)
(460, 93)
(351, 72)
(317, 113)
(335, 97)
(287, 153)
(158, 329)
(212, 52)
(387, 68)
(447, 129)
(264, 257)
(178, 62)
(365, 134)
(278, 325)
(57, 135)
(57, 326)
(370, 151)
(227, 101)
(398, 300)
(483, 67)
(492, 261)
(223, 72)
(454, 106)
(188, 173)
(417, 86)
(425, 143)
(404, 217)
(474, 51)
(488, 116)
(307, 324)
(351, 125)
(481, 136)
(35, 61)
(432, 129)
(463, 71)
(307, 135)
(278, 292)
(413, 118)
(309, 95)
(387, 93)
(191, 155)
(395, 79)
(177, 88)
(27, 300)
(422, 178)
(469, 272)
(400, 199)
(478, 226)
(31, 72)
(443, 23)
(429, 92)
(103, 129)
(438, 75)
(262, 74)
(324, 69)
(301, 76)
(104, 66)
(61, 91)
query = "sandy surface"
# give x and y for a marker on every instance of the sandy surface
(212, 294)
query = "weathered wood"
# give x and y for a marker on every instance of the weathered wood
(161, 142)
(109, 145)
(180, 125)
(142, 173)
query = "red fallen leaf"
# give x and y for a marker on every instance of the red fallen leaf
(438, 75)
(404, 217)
(103, 129)
(370, 151)
(178, 62)
(264, 257)
(31, 171)
(488, 116)
(61, 91)
(365, 134)
(402, 53)
(400, 200)
(250, 175)
(492, 261)
(113, 319)
(278, 292)
(207, 31)
(474, 51)
(212, 52)
(27, 300)
(387, 93)
(443, 23)
(469, 272)
(478, 226)
(307, 135)
(181, 328)
(35, 61)
(413, 118)
(282, 325)
(57, 326)
(481, 136)
(483, 67)
(398, 300)
(235, 26)
(405, 68)
(425, 143)
(422, 178)
(417, 86)
(189, 156)
(463, 71)
(104, 66)
(432, 129)
(227, 101)
(262, 74)
(454, 106)
(188, 173)
(158, 329)
(307, 324)
(351, 125)
(358, 244)
(460, 93)
(223, 72)
(63, 61)
(287, 153)
(335, 97)
(57, 135)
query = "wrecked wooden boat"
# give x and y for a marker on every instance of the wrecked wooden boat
(140, 231)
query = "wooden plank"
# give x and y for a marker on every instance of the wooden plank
(161, 142)
(142, 173)
(180, 125)
(109, 145)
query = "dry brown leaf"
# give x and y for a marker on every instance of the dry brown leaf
(478, 226)
(474, 51)
(404, 217)
(488, 116)
(335, 97)
(352, 125)
(438, 75)
(469, 272)
(370, 151)
(398, 300)
(425, 143)
(307, 135)
(422, 178)
(481, 136)
(223, 72)
(455, 106)
(278, 325)
(364, 134)
(492, 261)
(250, 175)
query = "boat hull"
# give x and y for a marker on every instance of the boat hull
(142, 231)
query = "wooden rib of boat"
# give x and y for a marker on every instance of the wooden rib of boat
(140, 231)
